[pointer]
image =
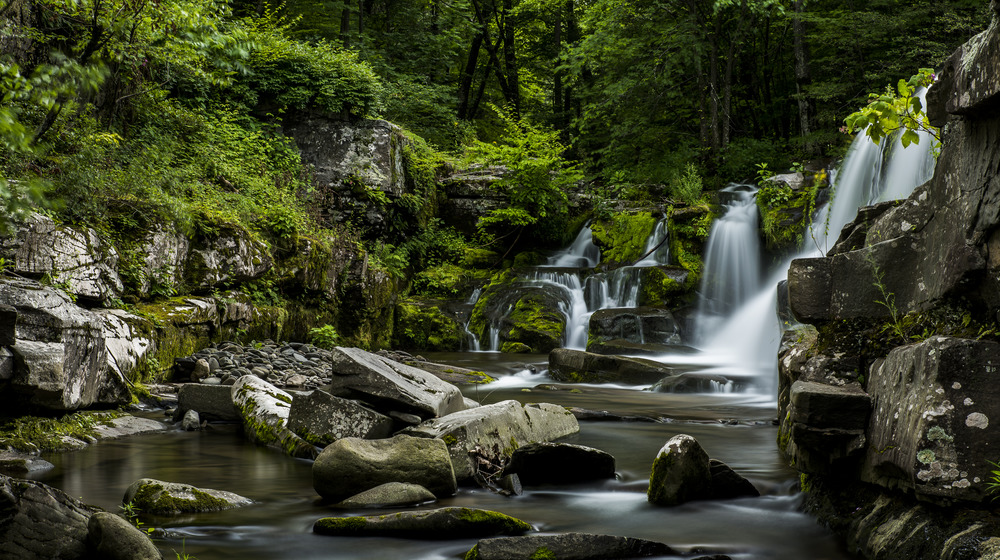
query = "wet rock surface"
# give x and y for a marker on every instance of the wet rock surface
(444, 523)
(576, 546)
(170, 498)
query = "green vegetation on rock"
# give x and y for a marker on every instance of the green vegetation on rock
(622, 237)
(423, 326)
(31, 434)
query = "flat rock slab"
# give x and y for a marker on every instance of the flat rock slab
(171, 498)
(569, 546)
(494, 431)
(577, 366)
(213, 403)
(321, 419)
(128, 426)
(388, 495)
(391, 385)
(444, 523)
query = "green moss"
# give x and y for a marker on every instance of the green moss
(515, 348)
(535, 325)
(659, 289)
(446, 281)
(422, 326)
(528, 258)
(805, 483)
(785, 218)
(31, 434)
(543, 553)
(449, 439)
(154, 498)
(473, 553)
(622, 237)
(508, 524)
(340, 525)
(689, 228)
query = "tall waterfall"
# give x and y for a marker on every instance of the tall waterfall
(748, 341)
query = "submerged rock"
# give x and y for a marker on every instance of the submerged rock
(492, 432)
(568, 546)
(171, 498)
(388, 495)
(444, 523)
(352, 465)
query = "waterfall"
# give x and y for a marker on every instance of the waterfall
(585, 291)
(748, 341)
(732, 260)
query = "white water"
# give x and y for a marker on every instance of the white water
(732, 261)
(748, 341)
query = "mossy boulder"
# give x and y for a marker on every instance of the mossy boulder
(443, 523)
(639, 324)
(111, 537)
(264, 410)
(669, 287)
(157, 497)
(421, 325)
(521, 312)
(680, 473)
(622, 237)
(576, 546)
(689, 227)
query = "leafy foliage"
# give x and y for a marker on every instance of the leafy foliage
(324, 337)
(896, 111)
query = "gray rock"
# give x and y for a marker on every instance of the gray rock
(397, 386)
(114, 538)
(494, 431)
(321, 418)
(17, 464)
(191, 421)
(165, 251)
(125, 344)
(213, 380)
(37, 521)
(8, 320)
(388, 495)
(127, 426)
(584, 367)
(727, 484)
(6, 364)
(560, 463)
(171, 498)
(202, 369)
(80, 258)
(230, 256)
(264, 411)
(966, 86)
(930, 430)
(352, 465)
(575, 546)
(60, 358)
(213, 403)
(680, 473)
(444, 523)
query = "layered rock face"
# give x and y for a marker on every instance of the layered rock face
(873, 408)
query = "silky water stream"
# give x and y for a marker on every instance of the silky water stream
(735, 427)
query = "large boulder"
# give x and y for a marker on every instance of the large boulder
(229, 256)
(559, 463)
(113, 538)
(390, 385)
(680, 473)
(492, 432)
(575, 546)
(351, 465)
(157, 497)
(38, 522)
(930, 430)
(577, 366)
(524, 314)
(126, 344)
(8, 321)
(827, 424)
(60, 353)
(77, 258)
(444, 523)
(321, 418)
(264, 410)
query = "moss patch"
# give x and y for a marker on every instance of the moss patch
(155, 499)
(535, 325)
(500, 521)
(622, 238)
(422, 326)
(340, 525)
(30, 434)
(543, 553)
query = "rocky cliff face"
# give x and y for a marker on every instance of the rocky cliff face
(889, 406)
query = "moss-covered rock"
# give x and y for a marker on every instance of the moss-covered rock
(622, 238)
(443, 523)
(689, 227)
(421, 325)
(157, 497)
(521, 312)
(666, 286)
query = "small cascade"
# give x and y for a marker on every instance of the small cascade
(584, 292)
(732, 260)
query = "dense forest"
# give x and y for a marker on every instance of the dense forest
(123, 111)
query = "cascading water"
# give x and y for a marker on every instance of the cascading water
(732, 260)
(569, 271)
(747, 343)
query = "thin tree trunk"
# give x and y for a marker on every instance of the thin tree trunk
(345, 26)
(802, 77)
(468, 76)
(510, 58)
(557, 85)
(713, 84)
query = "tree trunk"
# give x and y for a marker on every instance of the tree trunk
(345, 26)
(802, 78)
(510, 58)
(468, 76)
(713, 84)
(557, 85)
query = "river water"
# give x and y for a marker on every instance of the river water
(735, 428)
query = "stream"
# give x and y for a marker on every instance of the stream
(735, 428)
